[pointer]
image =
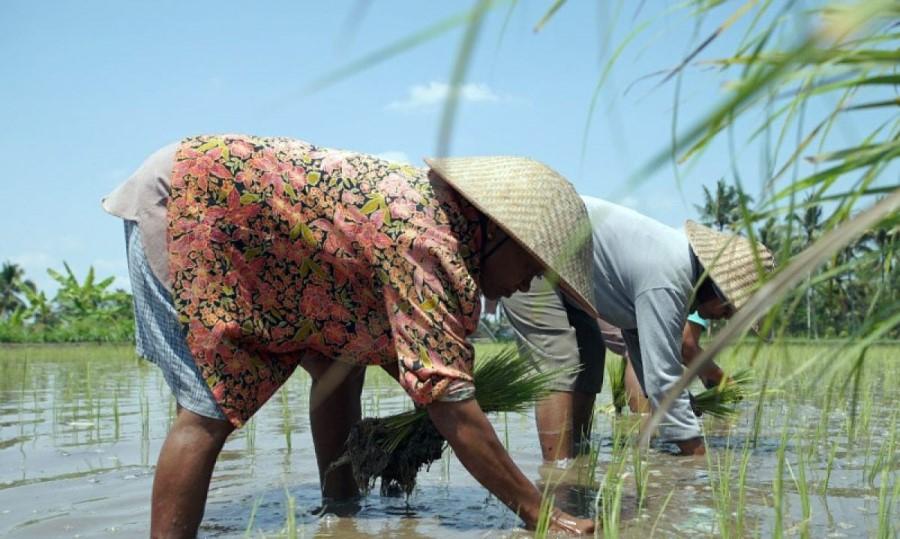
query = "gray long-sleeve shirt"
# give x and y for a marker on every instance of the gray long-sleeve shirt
(643, 281)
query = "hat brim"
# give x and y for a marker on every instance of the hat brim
(730, 261)
(549, 272)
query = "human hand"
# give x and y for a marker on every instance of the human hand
(697, 411)
(561, 521)
(712, 377)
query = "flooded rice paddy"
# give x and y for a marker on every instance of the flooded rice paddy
(80, 429)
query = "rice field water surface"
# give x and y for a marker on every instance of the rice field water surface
(81, 426)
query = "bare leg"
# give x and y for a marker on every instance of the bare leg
(185, 466)
(334, 407)
(637, 402)
(563, 422)
(582, 417)
(553, 416)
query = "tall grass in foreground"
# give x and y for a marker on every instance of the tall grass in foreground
(799, 75)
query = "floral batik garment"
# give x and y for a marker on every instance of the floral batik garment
(279, 249)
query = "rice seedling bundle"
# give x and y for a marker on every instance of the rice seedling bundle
(396, 447)
(721, 400)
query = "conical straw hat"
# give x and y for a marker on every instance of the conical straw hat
(730, 261)
(535, 206)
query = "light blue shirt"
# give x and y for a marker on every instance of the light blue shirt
(643, 282)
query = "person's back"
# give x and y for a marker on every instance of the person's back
(632, 255)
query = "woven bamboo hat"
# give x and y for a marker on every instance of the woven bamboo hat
(730, 261)
(536, 207)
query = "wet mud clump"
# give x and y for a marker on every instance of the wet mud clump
(373, 451)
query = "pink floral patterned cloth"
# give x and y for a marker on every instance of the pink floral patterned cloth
(278, 248)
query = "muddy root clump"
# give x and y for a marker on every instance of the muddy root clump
(373, 453)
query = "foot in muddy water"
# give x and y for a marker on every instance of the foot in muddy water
(341, 508)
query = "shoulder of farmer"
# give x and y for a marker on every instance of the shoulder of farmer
(148, 186)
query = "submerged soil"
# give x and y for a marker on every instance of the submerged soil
(80, 429)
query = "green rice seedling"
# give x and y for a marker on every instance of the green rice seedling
(613, 486)
(825, 414)
(641, 474)
(615, 370)
(887, 527)
(720, 483)
(290, 523)
(609, 496)
(116, 417)
(97, 415)
(742, 487)
(662, 510)
(829, 466)
(778, 484)
(252, 518)
(250, 436)
(588, 472)
(758, 411)
(546, 511)
(886, 454)
(721, 401)
(286, 418)
(803, 490)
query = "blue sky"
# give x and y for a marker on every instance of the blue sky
(91, 88)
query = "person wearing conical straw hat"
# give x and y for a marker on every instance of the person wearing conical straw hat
(251, 256)
(647, 277)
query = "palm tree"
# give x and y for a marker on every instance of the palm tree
(13, 286)
(810, 221)
(723, 209)
(769, 234)
(90, 298)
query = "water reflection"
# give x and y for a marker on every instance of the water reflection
(80, 429)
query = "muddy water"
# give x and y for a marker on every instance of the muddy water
(80, 428)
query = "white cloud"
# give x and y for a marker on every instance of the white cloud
(422, 96)
(394, 157)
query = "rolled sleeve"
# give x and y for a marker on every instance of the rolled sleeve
(432, 352)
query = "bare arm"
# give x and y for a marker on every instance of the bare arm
(475, 443)
(690, 350)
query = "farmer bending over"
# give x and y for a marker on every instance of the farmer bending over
(645, 276)
(251, 256)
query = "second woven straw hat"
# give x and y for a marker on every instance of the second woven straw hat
(535, 206)
(730, 261)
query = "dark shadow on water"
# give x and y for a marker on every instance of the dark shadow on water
(459, 509)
